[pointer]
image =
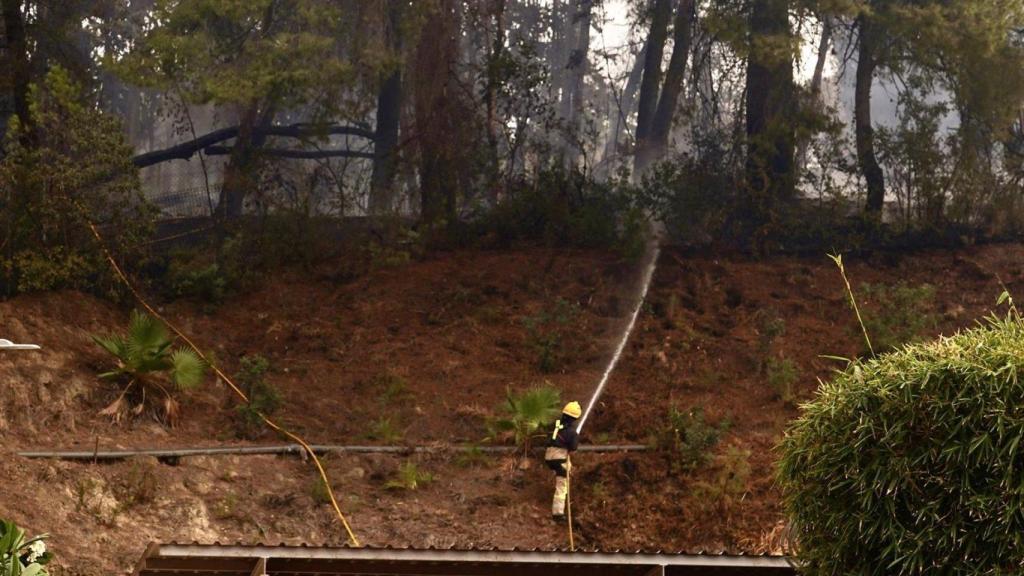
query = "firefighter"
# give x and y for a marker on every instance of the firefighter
(562, 442)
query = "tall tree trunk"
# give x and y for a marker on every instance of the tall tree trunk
(436, 110)
(19, 68)
(494, 68)
(650, 85)
(627, 100)
(664, 115)
(578, 67)
(865, 132)
(389, 114)
(563, 49)
(816, 79)
(241, 173)
(770, 104)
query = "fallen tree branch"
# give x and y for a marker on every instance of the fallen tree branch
(293, 153)
(186, 150)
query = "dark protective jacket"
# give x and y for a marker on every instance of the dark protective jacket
(564, 434)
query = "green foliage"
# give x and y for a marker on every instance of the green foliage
(264, 397)
(319, 492)
(72, 162)
(226, 52)
(568, 209)
(688, 439)
(770, 327)
(548, 331)
(473, 456)
(409, 477)
(49, 269)
(137, 486)
(145, 361)
(908, 463)
(782, 374)
(896, 314)
(20, 556)
(694, 197)
(402, 245)
(386, 430)
(206, 284)
(728, 484)
(391, 388)
(525, 415)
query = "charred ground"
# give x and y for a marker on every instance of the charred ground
(431, 347)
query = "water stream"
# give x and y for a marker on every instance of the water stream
(653, 252)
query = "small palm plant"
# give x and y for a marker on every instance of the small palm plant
(21, 557)
(526, 414)
(149, 369)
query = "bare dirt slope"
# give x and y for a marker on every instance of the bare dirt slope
(432, 346)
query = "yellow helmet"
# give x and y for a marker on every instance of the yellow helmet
(573, 409)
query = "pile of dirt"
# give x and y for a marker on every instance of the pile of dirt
(423, 354)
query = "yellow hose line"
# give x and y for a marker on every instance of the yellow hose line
(224, 377)
(568, 501)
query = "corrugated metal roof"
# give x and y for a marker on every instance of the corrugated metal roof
(288, 559)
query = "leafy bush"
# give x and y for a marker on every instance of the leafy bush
(525, 415)
(21, 557)
(264, 398)
(385, 430)
(391, 388)
(896, 314)
(206, 284)
(74, 159)
(688, 439)
(729, 482)
(139, 485)
(145, 364)
(909, 463)
(548, 331)
(409, 477)
(319, 492)
(782, 375)
(471, 457)
(568, 208)
(693, 197)
(769, 327)
(48, 269)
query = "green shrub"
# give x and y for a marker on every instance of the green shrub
(782, 375)
(693, 197)
(909, 463)
(204, 284)
(769, 327)
(49, 269)
(547, 332)
(386, 430)
(78, 166)
(471, 457)
(138, 485)
(148, 369)
(688, 439)
(391, 388)
(896, 314)
(728, 484)
(526, 415)
(568, 208)
(20, 556)
(264, 398)
(409, 477)
(319, 492)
